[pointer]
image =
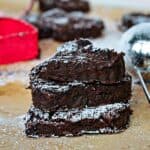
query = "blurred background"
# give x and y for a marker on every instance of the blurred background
(136, 4)
(113, 9)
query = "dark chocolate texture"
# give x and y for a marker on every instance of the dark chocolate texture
(79, 60)
(52, 96)
(81, 89)
(104, 119)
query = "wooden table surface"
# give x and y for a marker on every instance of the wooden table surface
(15, 101)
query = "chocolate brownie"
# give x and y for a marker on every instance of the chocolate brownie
(111, 118)
(80, 60)
(51, 96)
(32, 18)
(132, 19)
(81, 89)
(62, 26)
(67, 5)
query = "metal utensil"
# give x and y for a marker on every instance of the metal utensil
(136, 42)
(140, 58)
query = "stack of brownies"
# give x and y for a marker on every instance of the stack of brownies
(80, 90)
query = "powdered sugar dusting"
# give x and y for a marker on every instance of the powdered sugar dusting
(8, 77)
(89, 113)
(69, 46)
(52, 86)
(75, 115)
(103, 131)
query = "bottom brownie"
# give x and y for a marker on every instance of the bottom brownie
(112, 118)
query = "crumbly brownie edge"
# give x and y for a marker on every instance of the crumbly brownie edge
(104, 119)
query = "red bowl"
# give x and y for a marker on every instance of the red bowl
(18, 40)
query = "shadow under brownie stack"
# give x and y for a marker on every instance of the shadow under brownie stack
(80, 90)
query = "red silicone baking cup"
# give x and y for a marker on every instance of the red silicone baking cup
(18, 40)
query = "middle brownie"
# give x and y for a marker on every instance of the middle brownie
(52, 96)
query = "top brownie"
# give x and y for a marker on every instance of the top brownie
(67, 5)
(132, 19)
(80, 60)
